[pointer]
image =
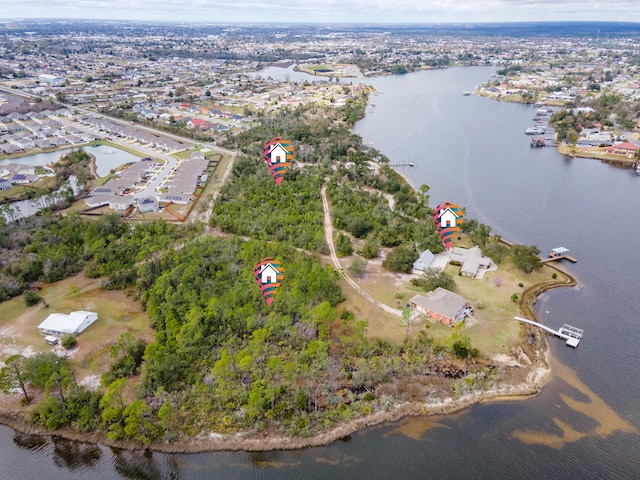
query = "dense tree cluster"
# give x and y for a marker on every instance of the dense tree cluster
(61, 246)
(366, 214)
(252, 205)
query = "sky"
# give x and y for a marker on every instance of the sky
(327, 11)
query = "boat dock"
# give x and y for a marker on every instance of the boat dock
(406, 164)
(571, 335)
(559, 253)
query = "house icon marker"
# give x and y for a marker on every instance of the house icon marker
(268, 274)
(448, 218)
(278, 154)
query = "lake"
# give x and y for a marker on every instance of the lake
(583, 424)
(107, 158)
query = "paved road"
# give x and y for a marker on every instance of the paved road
(328, 235)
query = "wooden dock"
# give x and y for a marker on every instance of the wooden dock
(571, 335)
(559, 254)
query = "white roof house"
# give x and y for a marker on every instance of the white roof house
(62, 324)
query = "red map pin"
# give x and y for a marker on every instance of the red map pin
(269, 274)
(278, 154)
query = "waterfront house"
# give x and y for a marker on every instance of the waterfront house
(627, 149)
(424, 261)
(442, 305)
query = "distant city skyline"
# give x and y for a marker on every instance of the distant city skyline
(328, 11)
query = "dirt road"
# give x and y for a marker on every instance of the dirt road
(328, 235)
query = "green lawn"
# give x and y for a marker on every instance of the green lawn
(492, 328)
(117, 314)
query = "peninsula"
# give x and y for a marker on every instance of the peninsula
(193, 359)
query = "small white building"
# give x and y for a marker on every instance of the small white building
(72, 324)
(121, 202)
(424, 262)
(147, 204)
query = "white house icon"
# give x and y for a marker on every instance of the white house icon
(448, 218)
(278, 154)
(268, 274)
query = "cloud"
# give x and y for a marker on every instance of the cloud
(328, 11)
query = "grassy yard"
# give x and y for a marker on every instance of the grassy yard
(117, 314)
(492, 328)
(594, 153)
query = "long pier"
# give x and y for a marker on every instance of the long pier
(406, 164)
(571, 335)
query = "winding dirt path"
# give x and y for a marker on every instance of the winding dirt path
(328, 235)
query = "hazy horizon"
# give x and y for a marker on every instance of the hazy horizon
(328, 11)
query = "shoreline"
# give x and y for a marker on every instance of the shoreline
(537, 376)
(249, 442)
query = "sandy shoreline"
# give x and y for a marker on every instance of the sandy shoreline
(255, 442)
(537, 376)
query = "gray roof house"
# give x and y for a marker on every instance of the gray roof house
(424, 261)
(442, 305)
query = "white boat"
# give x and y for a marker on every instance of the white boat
(637, 169)
(534, 131)
(466, 93)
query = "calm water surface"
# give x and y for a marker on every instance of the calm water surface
(585, 422)
(106, 158)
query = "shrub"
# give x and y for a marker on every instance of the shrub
(401, 259)
(521, 284)
(514, 298)
(433, 278)
(344, 248)
(69, 341)
(31, 298)
(554, 276)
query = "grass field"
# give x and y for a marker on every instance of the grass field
(492, 328)
(117, 314)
